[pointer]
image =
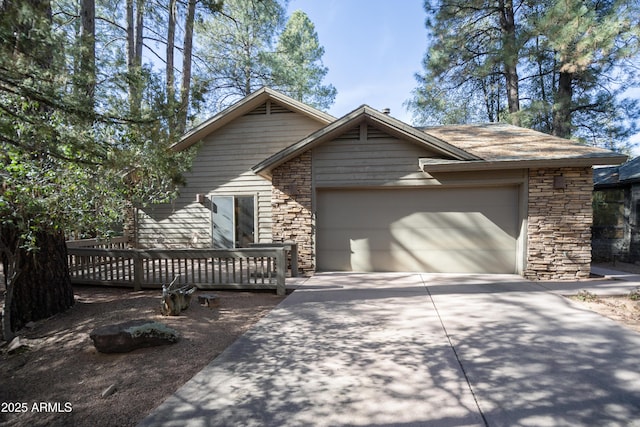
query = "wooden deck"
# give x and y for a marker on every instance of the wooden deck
(246, 268)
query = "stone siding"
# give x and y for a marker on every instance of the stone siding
(292, 208)
(130, 226)
(559, 224)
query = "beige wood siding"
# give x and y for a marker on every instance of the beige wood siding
(168, 226)
(451, 230)
(366, 156)
(223, 167)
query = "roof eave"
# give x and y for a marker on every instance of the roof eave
(242, 107)
(428, 165)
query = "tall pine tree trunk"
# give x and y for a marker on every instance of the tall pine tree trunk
(562, 106)
(510, 55)
(185, 87)
(44, 287)
(38, 283)
(85, 78)
(170, 71)
(135, 24)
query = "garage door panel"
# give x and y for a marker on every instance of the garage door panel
(375, 207)
(460, 261)
(439, 230)
(407, 218)
(451, 239)
(421, 236)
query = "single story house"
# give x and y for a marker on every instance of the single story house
(367, 192)
(616, 212)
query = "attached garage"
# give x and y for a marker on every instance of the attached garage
(472, 230)
(368, 192)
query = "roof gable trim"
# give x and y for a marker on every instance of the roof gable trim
(245, 106)
(371, 116)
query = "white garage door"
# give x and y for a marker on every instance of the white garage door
(458, 230)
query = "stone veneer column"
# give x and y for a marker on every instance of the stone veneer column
(559, 224)
(292, 209)
(130, 226)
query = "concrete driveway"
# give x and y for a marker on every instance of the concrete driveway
(419, 350)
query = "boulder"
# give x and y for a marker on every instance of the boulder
(128, 336)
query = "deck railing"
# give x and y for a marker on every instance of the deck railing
(247, 268)
(119, 242)
(292, 250)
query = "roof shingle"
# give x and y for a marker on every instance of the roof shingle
(504, 142)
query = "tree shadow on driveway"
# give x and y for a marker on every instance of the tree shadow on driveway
(333, 356)
(381, 350)
(534, 358)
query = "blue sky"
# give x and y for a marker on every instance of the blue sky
(373, 48)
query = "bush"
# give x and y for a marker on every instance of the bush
(585, 295)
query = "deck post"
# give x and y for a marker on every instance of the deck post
(281, 271)
(290, 246)
(138, 273)
(293, 246)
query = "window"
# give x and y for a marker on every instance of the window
(233, 221)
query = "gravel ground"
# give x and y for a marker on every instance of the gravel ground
(58, 380)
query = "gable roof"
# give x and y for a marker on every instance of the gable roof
(244, 106)
(364, 113)
(501, 145)
(460, 147)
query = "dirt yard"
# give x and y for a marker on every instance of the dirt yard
(622, 309)
(58, 380)
(619, 308)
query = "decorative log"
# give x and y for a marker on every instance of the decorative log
(176, 300)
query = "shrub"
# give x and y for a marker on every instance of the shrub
(585, 295)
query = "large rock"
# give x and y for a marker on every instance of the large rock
(131, 335)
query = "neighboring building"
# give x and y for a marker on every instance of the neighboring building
(616, 213)
(367, 192)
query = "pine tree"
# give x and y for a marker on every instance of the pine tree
(232, 47)
(64, 165)
(568, 58)
(475, 46)
(296, 64)
(584, 41)
(248, 46)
